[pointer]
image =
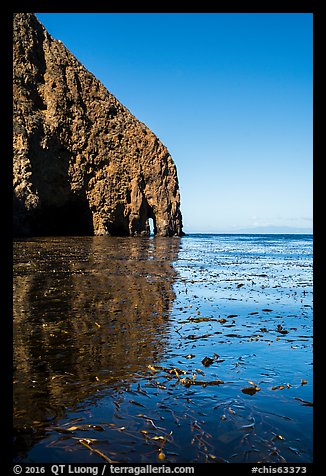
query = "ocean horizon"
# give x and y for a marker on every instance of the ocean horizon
(307, 232)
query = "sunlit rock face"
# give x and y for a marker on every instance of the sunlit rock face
(83, 164)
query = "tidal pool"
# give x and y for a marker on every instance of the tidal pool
(145, 350)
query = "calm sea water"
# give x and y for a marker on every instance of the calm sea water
(196, 349)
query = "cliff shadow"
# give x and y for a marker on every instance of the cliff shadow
(61, 211)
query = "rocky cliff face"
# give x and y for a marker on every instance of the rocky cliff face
(83, 164)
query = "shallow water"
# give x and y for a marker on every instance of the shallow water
(111, 336)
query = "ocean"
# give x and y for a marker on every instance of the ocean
(163, 350)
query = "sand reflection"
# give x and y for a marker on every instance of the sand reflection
(89, 313)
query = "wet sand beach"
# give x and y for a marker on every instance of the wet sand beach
(194, 349)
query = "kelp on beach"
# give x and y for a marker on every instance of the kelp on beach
(185, 350)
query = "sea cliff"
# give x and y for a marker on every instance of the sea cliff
(83, 164)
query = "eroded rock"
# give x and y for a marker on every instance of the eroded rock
(83, 164)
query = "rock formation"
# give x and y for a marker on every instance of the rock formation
(83, 164)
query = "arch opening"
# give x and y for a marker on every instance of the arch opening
(151, 221)
(151, 226)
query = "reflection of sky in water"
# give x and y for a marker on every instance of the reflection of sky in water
(86, 334)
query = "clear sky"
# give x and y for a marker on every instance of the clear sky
(230, 95)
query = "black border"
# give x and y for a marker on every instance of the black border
(6, 263)
(219, 6)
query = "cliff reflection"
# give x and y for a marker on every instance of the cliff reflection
(89, 313)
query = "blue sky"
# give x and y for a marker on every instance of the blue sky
(230, 95)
